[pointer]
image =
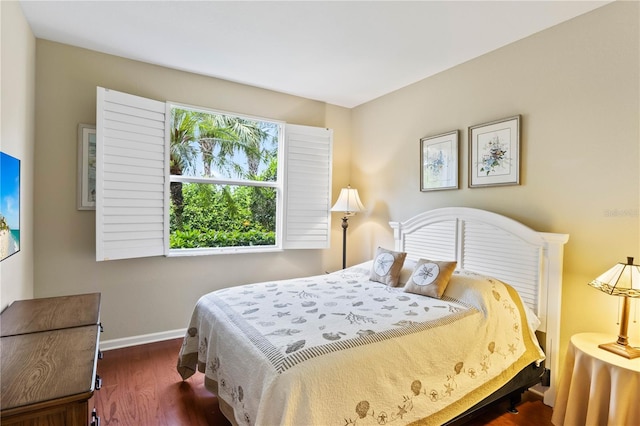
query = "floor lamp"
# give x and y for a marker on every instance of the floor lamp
(348, 203)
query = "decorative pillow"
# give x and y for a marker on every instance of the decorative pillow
(407, 270)
(386, 266)
(430, 278)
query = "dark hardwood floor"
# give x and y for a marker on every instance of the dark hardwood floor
(141, 387)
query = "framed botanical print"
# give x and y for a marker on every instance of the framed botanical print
(439, 162)
(494, 153)
(86, 191)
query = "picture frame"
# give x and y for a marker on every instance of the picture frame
(494, 153)
(9, 205)
(86, 188)
(439, 162)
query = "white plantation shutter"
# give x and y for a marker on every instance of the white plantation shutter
(307, 187)
(131, 164)
(132, 180)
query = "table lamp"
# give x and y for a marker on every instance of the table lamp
(349, 203)
(621, 280)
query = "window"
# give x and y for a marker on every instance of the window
(174, 180)
(224, 180)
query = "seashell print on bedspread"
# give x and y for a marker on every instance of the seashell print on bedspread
(295, 320)
(248, 340)
(457, 376)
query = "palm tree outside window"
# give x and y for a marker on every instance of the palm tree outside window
(224, 180)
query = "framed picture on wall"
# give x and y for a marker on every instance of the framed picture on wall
(9, 205)
(494, 153)
(86, 191)
(439, 162)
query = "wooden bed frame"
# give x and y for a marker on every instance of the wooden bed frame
(495, 245)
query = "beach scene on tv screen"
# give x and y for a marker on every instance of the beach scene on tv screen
(9, 205)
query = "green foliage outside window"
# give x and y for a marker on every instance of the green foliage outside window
(224, 216)
(204, 215)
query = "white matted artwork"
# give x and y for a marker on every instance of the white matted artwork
(494, 153)
(86, 192)
(439, 162)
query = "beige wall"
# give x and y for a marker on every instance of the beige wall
(17, 115)
(577, 88)
(152, 295)
(575, 85)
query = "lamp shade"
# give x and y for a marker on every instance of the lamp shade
(348, 202)
(621, 280)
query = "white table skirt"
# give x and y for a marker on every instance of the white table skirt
(597, 387)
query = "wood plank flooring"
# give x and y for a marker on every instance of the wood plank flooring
(141, 387)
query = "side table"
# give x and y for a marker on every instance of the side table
(597, 387)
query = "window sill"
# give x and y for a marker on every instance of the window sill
(222, 250)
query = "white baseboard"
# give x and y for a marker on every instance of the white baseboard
(142, 339)
(542, 392)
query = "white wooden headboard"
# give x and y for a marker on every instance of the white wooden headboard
(495, 245)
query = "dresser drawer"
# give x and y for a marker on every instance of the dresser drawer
(50, 373)
(69, 414)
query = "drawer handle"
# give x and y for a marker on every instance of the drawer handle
(100, 355)
(95, 419)
(101, 327)
(98, 382)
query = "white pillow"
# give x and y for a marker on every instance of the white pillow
(406, 271)
(532, 318)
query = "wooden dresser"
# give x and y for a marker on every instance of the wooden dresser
(48, 357)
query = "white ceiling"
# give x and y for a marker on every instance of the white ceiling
(341, 52)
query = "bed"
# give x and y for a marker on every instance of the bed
(349, 348)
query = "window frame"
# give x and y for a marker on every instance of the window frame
(278, 185)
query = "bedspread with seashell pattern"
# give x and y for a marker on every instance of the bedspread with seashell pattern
(341, 349)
